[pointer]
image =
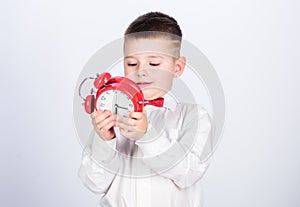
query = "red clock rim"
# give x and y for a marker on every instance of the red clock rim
(127, 86)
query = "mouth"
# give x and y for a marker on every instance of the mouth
(144, 84)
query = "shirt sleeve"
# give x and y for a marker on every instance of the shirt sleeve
(98, 157)
(181, 159)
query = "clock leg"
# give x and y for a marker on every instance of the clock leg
(93, 104)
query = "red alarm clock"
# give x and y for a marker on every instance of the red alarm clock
(118, 94)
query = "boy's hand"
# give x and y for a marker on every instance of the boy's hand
(133, 127)
(103, 122)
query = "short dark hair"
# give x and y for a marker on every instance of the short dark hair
(154, 22)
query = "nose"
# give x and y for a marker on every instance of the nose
(142, 71)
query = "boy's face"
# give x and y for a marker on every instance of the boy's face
(152, 65)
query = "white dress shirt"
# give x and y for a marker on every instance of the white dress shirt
(162, 169)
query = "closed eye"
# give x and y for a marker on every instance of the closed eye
(131, 64)
(154, 64)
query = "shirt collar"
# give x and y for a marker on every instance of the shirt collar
(170, 101)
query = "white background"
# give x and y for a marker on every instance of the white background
(253, 45)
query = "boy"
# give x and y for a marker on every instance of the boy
(156, 157)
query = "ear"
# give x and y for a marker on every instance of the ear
(179, 66)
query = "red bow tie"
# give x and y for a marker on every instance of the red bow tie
(159, 102)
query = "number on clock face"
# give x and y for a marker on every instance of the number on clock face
(116, 101)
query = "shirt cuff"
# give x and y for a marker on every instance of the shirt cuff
(103, 151)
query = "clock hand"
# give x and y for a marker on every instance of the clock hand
(116, 109)
(117, 106)
(115, 102)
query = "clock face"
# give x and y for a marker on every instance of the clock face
(116, 101)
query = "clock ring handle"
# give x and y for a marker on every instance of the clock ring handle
(81, 84)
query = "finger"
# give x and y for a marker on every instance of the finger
(95, 113)
(126, 133)
(107, 126)
(105, 122)
(102, 116)
(124, 126)
(137, 115)
(126, 120)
